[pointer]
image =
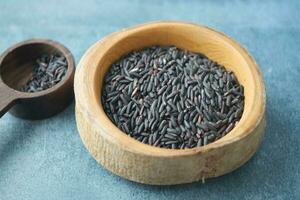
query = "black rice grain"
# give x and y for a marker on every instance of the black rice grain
(47, 72)
(172, 98)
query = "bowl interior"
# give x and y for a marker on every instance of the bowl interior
(215, 45)
(17, 64)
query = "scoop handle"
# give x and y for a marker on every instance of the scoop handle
(7, 98)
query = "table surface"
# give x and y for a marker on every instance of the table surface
(47, 160)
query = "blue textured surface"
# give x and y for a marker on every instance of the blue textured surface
(47, 160)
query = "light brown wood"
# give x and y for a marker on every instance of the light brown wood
(16, 65)
(143, 163)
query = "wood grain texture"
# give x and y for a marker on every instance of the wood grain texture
(16, 65)
(7, 98)
(136, 161)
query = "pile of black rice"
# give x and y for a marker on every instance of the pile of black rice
(172, 98)
(48, 70)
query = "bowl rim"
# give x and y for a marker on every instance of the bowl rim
(132, 145)
(41, 41)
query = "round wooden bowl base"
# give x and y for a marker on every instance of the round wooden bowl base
(143, 163)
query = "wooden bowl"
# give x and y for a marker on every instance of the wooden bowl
(16, 65)
(143, 163)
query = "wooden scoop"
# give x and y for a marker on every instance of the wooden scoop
(16, 65)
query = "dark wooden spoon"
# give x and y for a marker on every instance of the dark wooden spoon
(15, 70)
